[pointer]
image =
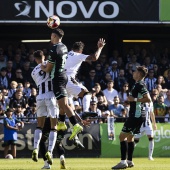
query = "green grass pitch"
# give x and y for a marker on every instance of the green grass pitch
(85, 164)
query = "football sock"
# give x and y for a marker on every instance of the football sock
(151, 147)
(86, 102)
(73, 120)
(130, 150)
(52, 140)
(43, 149)
(37, 137)
(123, 149)
(62, 117)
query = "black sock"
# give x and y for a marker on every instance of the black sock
(73, 120)
(60, 149)
(43, 150)
(130, 150)
(123, 149)
(62, 118)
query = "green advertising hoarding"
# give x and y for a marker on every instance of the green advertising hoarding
(164, 6)
(112, 148)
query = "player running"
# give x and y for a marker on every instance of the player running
(147, 128)
(46, 107)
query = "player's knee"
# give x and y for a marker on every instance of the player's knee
(136, 140)
(150, 138)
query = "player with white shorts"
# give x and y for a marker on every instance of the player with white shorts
(46, 106)
(73, 63)
(146, 128)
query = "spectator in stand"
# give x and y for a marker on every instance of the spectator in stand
(10, 132)
(127, 108)
(114, 72)
(2, 115)
(3, 58)
(91, 80)
(18, 99)
(160, 109)
(10, 51)
(106, 68)
(18, 113)
(161, 91)
(161, 81)
(133, 61)
(154, 95)
(103, 82)
(168, 79)
(99, 71)
(147, 63)
(31, 59)
(150, 80)
(27, 89)
(99, 92)
(13, 88)
(163, 66)
(167, 99)
(32, 98)
(93, 108)
(4, 92)
(26, 72)
(18, 77)
(120, 63)
(31, 114)
(129, 75)
(10, 69)
(117, 109)
(102, 60)
(4, 80)
(101, 104)
(167, 116)
(166, 73)
(115, 55)
(17, 62)
(110, 92)
(124, 93)
(156, 70)
(120, 80)
(128, 57)
(143, 54)
(3, 102)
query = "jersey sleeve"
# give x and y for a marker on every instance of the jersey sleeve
(143, 90)
(52, 57)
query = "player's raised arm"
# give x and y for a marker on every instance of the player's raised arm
(100, 44)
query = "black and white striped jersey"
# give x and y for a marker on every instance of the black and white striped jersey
(42, 79)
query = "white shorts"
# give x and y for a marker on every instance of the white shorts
(47, 107)
(145, 130)
(74, 89)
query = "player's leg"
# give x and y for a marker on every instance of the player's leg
(60, 149)
(43, 148)
(53, 112)
(41, 113)
(13, 149)
(6, 148)
(150, 135)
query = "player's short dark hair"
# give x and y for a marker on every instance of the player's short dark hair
(9, 110)
(78, 46)
(38, 54)
(143, 70)
(59, 32)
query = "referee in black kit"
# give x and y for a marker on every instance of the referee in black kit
(139, 94)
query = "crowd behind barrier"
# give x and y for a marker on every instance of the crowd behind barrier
(109, 79)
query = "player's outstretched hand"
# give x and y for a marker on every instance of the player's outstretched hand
(101, 43)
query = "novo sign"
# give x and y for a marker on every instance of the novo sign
(74, 6)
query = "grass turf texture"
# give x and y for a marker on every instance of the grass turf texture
(85, 164)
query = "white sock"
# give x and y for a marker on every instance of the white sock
(52, 140)
(151, 147)
(123, 161)
(45, 163)
(37, 138)
(86, 102)
(61, 157)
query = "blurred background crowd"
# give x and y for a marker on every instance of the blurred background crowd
(109, 80)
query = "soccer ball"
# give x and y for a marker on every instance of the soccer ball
(9, 156)
(53, 21)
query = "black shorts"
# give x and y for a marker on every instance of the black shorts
(132, 125)
(9, 142)
(59, 85)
